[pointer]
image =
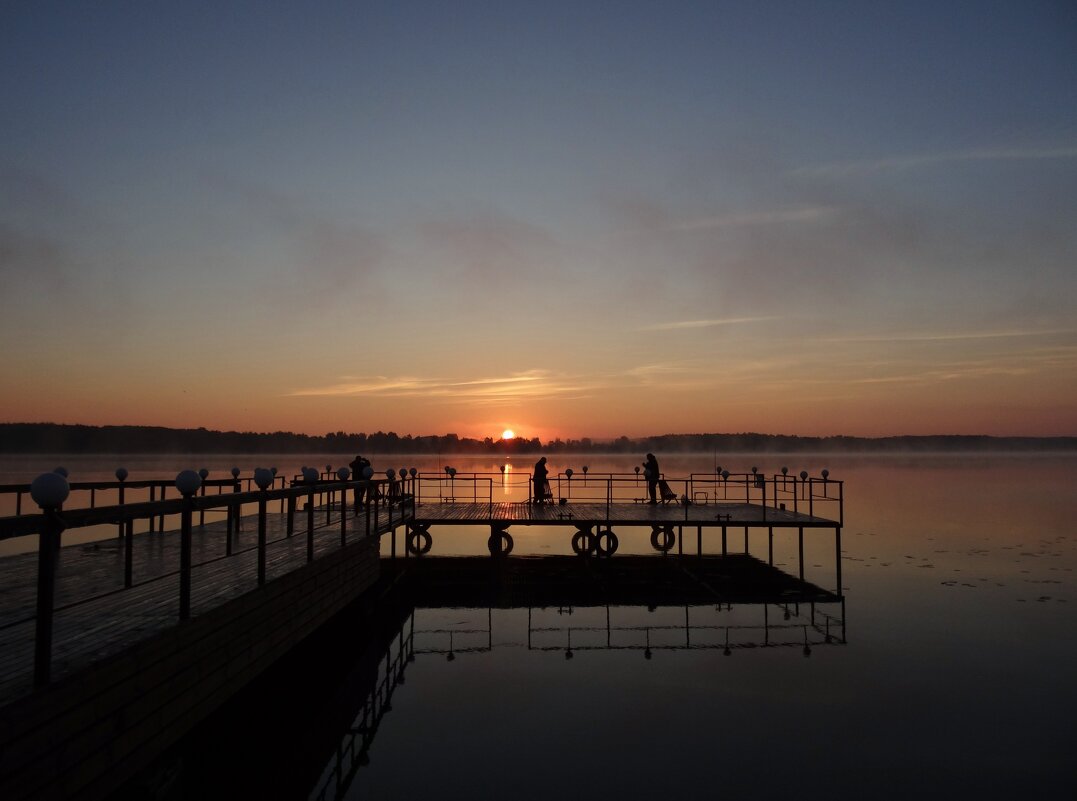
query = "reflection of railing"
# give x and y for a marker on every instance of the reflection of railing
(50, 524)
(351, 753)
(449, 638)
(826, 629)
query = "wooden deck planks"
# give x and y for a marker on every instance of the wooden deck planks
(94, 629)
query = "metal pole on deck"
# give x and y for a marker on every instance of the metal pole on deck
(49, 491)
(262, 539)
(121, 476)
(128, 552)
(188, 483)
(310, 524)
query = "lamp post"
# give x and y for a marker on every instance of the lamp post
(121, 476)
(187, 482)
(342, 475)
(264, 479)
(49, 491)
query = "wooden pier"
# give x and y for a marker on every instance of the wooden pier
(112, 650)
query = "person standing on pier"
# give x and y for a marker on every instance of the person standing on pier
(652, 474)
(539, 480)
(358, 465)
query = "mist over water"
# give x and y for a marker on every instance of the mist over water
(956, 680)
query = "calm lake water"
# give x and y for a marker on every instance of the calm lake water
(957, 679)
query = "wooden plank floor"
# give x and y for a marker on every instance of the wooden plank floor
(89, 630)
(634, 514)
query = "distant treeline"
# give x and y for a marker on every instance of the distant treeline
(71, 439)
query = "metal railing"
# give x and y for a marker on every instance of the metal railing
(384, 510)
(458, 487)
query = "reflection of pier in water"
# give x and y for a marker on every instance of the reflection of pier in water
(579, 605)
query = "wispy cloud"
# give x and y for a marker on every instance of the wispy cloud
(528, 385)
(889, 163)
(680, 325)
(949, 337)
(751, 218)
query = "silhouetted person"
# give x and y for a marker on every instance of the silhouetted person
(652, 474)
(539, 480)
(358, 466)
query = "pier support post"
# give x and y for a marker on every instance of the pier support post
(800, 545)
(290, 527)
(746, 539)
(723, 540)
(770, 545)
(699, 538)
(837, 555)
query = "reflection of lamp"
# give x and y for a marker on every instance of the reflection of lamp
(60, 471)
(121, 473)
(235, 472)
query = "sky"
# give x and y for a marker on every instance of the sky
(567, 219)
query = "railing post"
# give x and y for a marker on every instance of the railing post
(310, 524)
(121, 476)
(343, 515)
(291, 516)
(49, 491)
(187, 482)
(48, 550)
(262, 539)
(128, 552)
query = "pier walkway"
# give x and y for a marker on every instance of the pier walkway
(96, 616)
(111, 650)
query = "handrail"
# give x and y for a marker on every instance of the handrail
(49, 525)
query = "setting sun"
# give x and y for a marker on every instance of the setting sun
(508, 433)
